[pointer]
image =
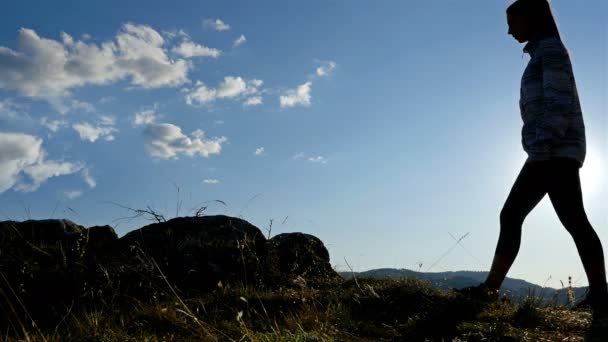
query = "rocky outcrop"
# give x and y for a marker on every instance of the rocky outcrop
(40, 268)
(195, 253)
(49, 267)
(298, 258)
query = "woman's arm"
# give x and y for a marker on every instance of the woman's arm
(558, 97)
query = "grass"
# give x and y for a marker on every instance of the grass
(358, 309)
(354, 310)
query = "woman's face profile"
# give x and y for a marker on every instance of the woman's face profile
(519, 27)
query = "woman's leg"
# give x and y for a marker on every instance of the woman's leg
(528, 189)
(566, 197)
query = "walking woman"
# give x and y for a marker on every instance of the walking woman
(553, 136)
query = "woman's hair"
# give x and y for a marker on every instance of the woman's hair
(539, 13)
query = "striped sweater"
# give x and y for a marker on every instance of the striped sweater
(550, 109)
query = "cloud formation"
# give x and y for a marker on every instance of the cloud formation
(9, 111)
(53, 125)
(145, 117)
(230, 87)
(166, 141)
(253, 101)
(88, 178)
(211, 181)
(298, 96)
(137, 53)
(216, 24)
(318, 159)
(23, 163)
(189, 49)
(72, 194)
(326, 69)
(240, 40)
(258, 151)
(103, 129)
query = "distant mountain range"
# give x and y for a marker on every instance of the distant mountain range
(516, 289)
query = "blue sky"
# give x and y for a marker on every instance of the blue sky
(387, 129)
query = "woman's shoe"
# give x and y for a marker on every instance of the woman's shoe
(588, 304)
(481, 293)
(598, 331)
(583, 304)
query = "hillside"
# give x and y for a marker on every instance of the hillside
(515, 289)
(217, 278)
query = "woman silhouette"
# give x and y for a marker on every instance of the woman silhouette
(553, 136)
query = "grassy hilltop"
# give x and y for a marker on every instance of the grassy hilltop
(217, 278)
(354, 310)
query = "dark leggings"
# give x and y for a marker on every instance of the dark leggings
(560, 179)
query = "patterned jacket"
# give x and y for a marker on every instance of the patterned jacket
(550, 109)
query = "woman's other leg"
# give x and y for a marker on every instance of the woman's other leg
(566, 196)
(528, 189)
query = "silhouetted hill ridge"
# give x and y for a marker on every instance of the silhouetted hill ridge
(517, 288)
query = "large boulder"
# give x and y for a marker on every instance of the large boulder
(298, 259)
(41, 265)
(49, 267)
(196, 253)
(39, 230)
(100, 239)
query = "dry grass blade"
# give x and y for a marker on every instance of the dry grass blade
(24, 309)
(206, 328)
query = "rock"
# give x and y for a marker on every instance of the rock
(51, 266)
(41, 266)
(298, 259)
(194, 253)
(100, 238)
(39, 230)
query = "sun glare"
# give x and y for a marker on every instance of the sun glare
(591, 172)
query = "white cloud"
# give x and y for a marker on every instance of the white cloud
(53, 125)
(298, 155)
(240, 40)
(211, 181)
(201, 95)
(142, 56)
(298, 96)
(175, 33)
(106, 99)
(259, 151)
(317, 159)
(86, 175)
(17, 151)
(218, 122)
(326, 68)
(8, 110)
(236, 86)
(145, 117)
(81, 106)
(190, 49)
(67, 39)
(253, 101)
(103, 129)
(22, 155)
(72, 194)
(216, 24)
(230, 87)
(166, 141)
(137, 53)
(107, 120)
(43, 170)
